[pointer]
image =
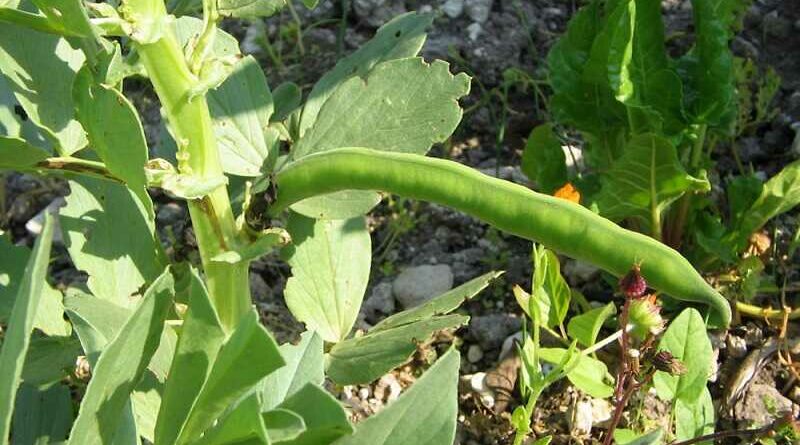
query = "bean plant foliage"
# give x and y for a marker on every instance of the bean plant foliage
(176, 352)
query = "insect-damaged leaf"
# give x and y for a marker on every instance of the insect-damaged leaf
(241, 108)
(363, 359)
(109, 235)
(330, 262)
(401, 37)
(40, 69)
(414, 417)
(121, 365)
(20, 324)
(645, 180)
(403, 105)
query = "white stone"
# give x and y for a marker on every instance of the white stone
(416, 285)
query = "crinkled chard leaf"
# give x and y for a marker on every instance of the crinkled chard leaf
(645, 180)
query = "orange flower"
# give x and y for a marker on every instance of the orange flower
(568, 192)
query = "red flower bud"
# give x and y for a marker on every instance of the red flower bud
(633, 284)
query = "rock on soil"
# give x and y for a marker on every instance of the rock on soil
(416, 285)
(491, 330)
(761, 406)
(380, 302)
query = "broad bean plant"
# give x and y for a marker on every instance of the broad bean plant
(176, 352)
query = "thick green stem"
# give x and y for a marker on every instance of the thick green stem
(212, 217)
(557, 223)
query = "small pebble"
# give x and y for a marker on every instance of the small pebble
(474, 354)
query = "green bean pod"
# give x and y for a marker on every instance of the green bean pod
(568, 228)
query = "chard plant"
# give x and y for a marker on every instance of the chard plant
(651, 121)
(173, 352)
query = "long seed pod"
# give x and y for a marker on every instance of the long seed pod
(557, 223)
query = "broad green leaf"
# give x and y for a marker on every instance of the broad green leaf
(330, 262)
(779, 195)
(310, 4)
(114, 131)
(324, 418)
(403, 105)
(536, 306)
(305, 363)
(709, 65)
(50, 359)
(16, 154)
(241, 108)
(121, 365)
(413, 418)
(543, 160)
(40, 69)
(49, 317)
(586, 326)
(248, 355)
(42, 416)
(628, 437)
(17, 335)
(13, 125)
(109, 235)
(241, 425)
(250, 9)
(440, 305)
(548, 285)
(197, 348)
(283, 425)
(693, 419)
(582, 96)
(589, 375)
(267, 241)
(686, 340)
(401, 37)
(645, 181)
(363, 359)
